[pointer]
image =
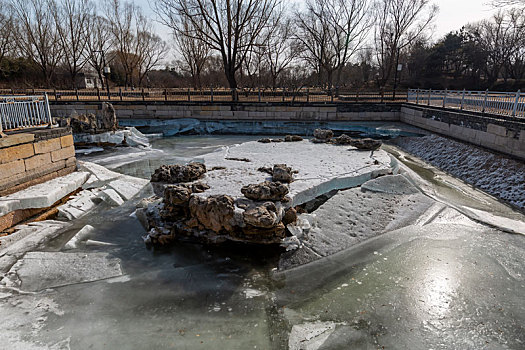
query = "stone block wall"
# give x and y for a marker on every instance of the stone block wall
(31, 158)
(502, 134)
(239, 111)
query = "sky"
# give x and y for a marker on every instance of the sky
(453, 14)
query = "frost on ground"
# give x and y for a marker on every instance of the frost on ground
(493, 173)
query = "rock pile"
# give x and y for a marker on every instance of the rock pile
(323, 134)
(327, 136)
(282, 173)
(179, 173)
(186, 212)
(265, 191)
(91, 123)
(292, 138)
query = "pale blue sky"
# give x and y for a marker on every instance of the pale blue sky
(453, 14)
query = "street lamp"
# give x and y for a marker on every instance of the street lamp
(399, 68)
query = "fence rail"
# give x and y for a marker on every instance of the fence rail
(21, 112)
(510, 104)
(216, 95)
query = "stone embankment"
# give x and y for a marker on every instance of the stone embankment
(101, 129)
(251, 192)
(31, 158)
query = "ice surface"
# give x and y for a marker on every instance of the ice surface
(493, 173)
(321, 168)
(310, 336)
(42, 270)
(127, 186)
(442, 282)
(80, 237)
(26, 238)
(46, 194)
(180, 126)
(395, 184)
(353, 216)
(130, 136)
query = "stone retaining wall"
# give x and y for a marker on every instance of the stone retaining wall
(34, 157)
(493, 132)
(497, 133)
(239, 111)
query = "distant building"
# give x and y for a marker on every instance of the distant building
(88, 80)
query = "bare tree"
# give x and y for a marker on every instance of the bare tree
(501, 39)
(99, 44)
(280, 49)
(6, 31)
(122, 17)
(398, 24)
(37, 36)
(332, 31)
(151, 49)
(504, 3)
(230, 27)
(72, 18)
(194, 53)
(138, 49)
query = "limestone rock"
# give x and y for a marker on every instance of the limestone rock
(108, 119)
(323, 134)
(214, 213)
(179, 173)
(367, 144)
(83, 123)
(290, 216)
(282, 173)
(265, 140)
(292, 138)
(265, 191)
(199, 187)
(343, 140)
(177, 195)
(264, 216)
(265, 169)
(265, 235)
(363, 144)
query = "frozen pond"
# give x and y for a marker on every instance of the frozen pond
(439, 281)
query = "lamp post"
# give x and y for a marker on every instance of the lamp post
(399, 67)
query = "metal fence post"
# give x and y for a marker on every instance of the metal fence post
(429, 95)
(76, 93)
(120, 93)
(211, 94)
(48, 110)
(189, 95)
(516, 102)
(98, 93)
(417, 96)
(485, 101)
(445, 99)
(307, 95)
(462, 99)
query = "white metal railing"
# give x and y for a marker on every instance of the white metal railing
(502, 103)
(20, 112)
